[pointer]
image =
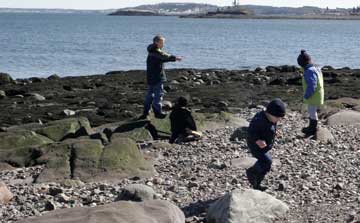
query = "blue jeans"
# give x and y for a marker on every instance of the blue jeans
(263, 163)
(154, 97)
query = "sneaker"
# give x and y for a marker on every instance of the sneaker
(143, 116)
(160, 115)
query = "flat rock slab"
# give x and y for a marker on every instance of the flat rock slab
(344, 118)
(118, 212)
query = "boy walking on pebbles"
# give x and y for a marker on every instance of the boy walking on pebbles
(155, 74)
(261, 137)
(313, 85)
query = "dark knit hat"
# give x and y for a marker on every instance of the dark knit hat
(304, 58)
(182, 102)
(276, 108)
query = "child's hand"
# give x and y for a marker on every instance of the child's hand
(261, 144)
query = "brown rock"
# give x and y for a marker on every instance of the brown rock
(5, 194)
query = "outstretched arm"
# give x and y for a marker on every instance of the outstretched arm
(165, 57)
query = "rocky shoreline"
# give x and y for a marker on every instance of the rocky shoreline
(296, 17)
(317, 180)
(118, 95)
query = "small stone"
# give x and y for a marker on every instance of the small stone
(63, 198)
(2, 94)
(68, 112)
(282, 186)
(339, 186)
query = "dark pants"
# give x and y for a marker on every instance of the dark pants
(154, 97)
(264, 161)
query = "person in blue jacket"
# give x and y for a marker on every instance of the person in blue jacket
(313, 85)
(155, 75)
(260, 140)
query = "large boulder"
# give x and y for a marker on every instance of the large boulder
(62, 129)
(20, 147)
(56, 158)
(71, 159)
(89, 161)
(334, 106)
(5, 79)
(5, 194)
(221, 120)
(246, 206)
(344, 118)
(136, 130)
(204, 121)
(6, 166)
(118, 212)
(122, 158)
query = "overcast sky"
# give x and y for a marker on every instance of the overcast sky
(113, 4)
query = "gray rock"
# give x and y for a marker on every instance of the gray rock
(118, 212)
(2, 94)
(344, 118)
(243, 163)
(246, 206)
(136, 192)
(37, 97)
(68, 112)
(324, 135)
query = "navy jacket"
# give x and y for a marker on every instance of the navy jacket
(261, 129)
(155, 64)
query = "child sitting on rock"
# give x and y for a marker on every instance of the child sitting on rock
(260, 140)
(183, 126)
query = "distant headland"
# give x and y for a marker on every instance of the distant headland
(193, 10)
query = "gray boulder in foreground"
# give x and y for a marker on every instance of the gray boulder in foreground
(118, 212)
(246, 206)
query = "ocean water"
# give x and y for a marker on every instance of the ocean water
(83, 44)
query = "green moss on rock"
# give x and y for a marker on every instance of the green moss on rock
(18, 147)
(123, 154)
(58, 130)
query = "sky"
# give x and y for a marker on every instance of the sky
(114, 4)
